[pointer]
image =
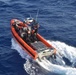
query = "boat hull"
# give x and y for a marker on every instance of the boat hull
(26, 47)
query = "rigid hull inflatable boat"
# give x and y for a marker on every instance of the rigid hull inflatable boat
(38, 49)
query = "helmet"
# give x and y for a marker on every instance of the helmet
(29, 20)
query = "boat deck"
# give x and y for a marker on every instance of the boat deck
(39, 46)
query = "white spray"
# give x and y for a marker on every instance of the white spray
(60, 67)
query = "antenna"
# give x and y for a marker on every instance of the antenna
(37, 14)
(30, 15)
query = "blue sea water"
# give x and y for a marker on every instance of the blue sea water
(57, 19)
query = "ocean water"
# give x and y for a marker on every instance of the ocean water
(57, 19)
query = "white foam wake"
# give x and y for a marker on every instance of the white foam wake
(66, 51)
(58, 66)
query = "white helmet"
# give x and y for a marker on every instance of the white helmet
(29, 20)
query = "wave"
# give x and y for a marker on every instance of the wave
(64, 64)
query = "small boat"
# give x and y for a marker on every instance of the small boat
(37, 49)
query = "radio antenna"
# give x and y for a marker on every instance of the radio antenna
(30, 15)
(37, 14)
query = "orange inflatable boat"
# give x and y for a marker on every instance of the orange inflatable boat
(38, 48)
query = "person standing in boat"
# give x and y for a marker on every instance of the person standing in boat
(35, 27)
(30, 22)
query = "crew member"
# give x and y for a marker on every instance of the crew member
(35, 27)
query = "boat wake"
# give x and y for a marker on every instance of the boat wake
(64, 64)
